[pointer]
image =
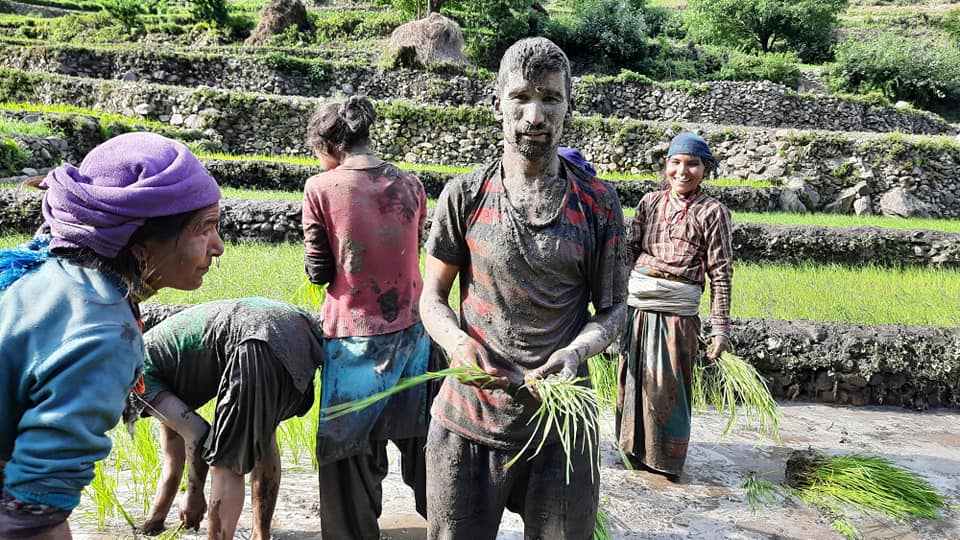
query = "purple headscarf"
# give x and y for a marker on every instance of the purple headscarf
(118, 186)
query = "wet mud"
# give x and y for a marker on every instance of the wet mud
(707, 503)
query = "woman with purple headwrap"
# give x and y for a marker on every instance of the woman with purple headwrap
(139, 214)
(679, 236)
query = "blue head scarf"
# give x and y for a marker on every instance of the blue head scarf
(692, 145)
(574, 156)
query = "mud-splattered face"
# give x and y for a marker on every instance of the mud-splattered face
(684, 173)
(533, 112)
(182, 261)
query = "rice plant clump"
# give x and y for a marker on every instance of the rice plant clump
(600, 530)
(566, 407)
(760, 492)
(734, 388)
(603, 377)
(870, 484)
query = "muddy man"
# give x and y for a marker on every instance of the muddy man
(535, 240)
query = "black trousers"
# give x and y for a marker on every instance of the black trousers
(351, 495)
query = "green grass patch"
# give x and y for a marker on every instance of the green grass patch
(261, 194)
(35, 129)
(104, 117)
(861, 295)
(834, 220)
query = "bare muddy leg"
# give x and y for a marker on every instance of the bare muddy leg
(173, 459)
(226, 503)
(264, 487)
(192, 428)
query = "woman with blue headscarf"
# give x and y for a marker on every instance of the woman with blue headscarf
(679, 236)
(140, 213)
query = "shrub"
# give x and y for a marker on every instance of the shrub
(126, 12)
(777, 67)
(667, 61)
(917, 70)
(951, 25)
(611, 34)
(807, 27)
(211, 11)
(12, 157)
(356, 24)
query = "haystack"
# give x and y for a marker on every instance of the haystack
(430, 41)
(277, 17)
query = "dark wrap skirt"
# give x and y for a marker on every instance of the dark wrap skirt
(654, 398)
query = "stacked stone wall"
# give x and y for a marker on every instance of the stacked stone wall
(280, 221)
(842, 172)
(762, 104)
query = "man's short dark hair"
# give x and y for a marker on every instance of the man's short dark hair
(533, 57)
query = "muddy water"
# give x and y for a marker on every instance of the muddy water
(708, 502)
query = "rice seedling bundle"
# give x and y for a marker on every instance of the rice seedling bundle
(735, 389)
(759, 491)
(465, 374)
(873, 485)
(566, 407)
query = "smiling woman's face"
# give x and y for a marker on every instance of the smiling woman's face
(684, 172)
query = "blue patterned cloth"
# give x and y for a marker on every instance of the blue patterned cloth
(358, 367)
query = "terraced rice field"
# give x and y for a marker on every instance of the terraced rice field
(84, 102)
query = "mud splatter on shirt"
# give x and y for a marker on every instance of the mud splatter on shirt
(371, 219)
(524, 290)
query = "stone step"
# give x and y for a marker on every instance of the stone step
(280, 221)
(842, 172)
(908, 366)
(762, 104)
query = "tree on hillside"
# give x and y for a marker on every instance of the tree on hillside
(807, 27)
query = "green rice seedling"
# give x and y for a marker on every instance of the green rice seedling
(870, 484)
(565, 405)
(600, 531)
(760, 492)
(172, 533)
(309, 296)
(842, 525)
(140, 455)
(103, 492)
(465, 374)
(735, 389)
(603, 377)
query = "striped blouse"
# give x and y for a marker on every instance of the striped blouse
(689, 239)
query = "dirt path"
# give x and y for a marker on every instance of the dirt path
(708, 502)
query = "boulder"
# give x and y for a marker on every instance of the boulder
(790, 202)
(277, 17)
(898, 202)
(430, 41)
(844, 201)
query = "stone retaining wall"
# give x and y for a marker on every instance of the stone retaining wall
(45, 151)
(842, 172)
(734, 103)
(289, 177)
(908, 366)
(280, 221)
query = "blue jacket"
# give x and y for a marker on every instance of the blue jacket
(69, 351)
